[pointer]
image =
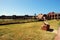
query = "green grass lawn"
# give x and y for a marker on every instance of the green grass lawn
(27, 31)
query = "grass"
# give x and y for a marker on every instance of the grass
(6, 21)
(27, 31)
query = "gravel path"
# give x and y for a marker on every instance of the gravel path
(57, 35)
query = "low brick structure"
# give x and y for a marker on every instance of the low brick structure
(46, 27)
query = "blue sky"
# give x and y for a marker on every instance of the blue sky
(28, 7)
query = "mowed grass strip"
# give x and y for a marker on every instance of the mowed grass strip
(27, 31)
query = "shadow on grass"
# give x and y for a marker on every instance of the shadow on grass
(50, 30)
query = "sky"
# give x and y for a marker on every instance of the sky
(28, 7)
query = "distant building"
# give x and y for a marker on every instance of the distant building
(53, 15)
(49, 16)
(39, 17)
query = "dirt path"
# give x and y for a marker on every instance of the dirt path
(58, 35)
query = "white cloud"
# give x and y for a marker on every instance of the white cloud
(4, 13)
